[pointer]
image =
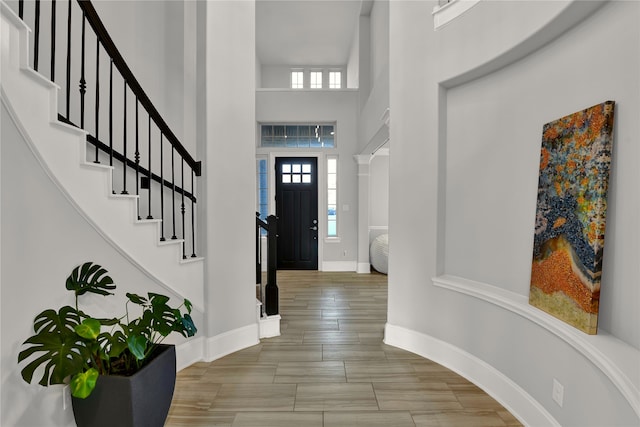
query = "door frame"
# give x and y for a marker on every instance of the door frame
(322, 186)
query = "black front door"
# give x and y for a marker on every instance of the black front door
(297, 212)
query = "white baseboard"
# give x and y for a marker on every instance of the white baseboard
(339, 266)
(493, 382)
(270, 326)
(189, 353)
(210, 349)
(363, 268)
(229, 342)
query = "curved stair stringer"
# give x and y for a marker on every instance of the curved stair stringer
(31, 101)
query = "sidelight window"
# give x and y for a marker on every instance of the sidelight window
(263, 189)
(332, 196)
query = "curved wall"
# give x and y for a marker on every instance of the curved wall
(43, 238)
(468, 104)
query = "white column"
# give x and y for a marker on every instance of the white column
(363, 161)
(229, 176)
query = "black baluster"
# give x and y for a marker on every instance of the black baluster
(97, 97)
(193, 221)
(149, 216)
(173, 194)
(69, 59)
(162, 239)
(184, 237)
(21, 9)
(36, 37)
(111, 114)
(53, 40)
(137, 159)
(124, 140)
(83, 82)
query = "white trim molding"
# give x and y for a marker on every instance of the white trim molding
(339, 266)
(446, 13)
(189, 353)
(364, 268)
(270, 326)
(230, 342)
(499, 386)
(617, 360)
(214, 348)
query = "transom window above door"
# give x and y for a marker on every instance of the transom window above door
(298, 135)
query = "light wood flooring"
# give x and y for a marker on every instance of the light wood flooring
(330, 368)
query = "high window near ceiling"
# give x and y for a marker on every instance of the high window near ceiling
(297, 79)
(315, 80)
(335, 79)
(305, 78)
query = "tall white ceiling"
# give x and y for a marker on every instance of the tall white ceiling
(305, 32)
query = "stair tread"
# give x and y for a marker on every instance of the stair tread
(124, 196)
(190, 260)
(148, 220)
(170, 242)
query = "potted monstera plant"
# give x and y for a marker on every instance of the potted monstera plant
(118, 370)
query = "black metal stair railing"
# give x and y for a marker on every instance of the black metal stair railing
(90, 58)
(269, 297)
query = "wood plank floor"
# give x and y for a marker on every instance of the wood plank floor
(330, 368)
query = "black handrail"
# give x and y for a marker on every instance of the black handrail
(270, 299)
(120, 120)
(101, 32)
(131, 163)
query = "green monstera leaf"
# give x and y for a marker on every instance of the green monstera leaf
(113, 344)
(55, 345)
(137, 345)
(90, 277)
(82, 384)
(188, 326)
(89, 329)
(137, 299)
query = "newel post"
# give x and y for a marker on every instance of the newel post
(271, 288)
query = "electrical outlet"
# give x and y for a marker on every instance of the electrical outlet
(66, 397)
(558, 392)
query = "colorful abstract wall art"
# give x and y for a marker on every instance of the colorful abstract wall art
(570, 218)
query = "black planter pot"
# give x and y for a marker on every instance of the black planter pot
(141, 400)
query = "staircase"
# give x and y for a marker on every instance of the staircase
(61, 148)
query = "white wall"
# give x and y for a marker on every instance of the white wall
(379, 36)
(353, 63)
(506, 163)
(464, 161)
(158, 41)
(340, 106)
(374, 69)
(43, 239)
